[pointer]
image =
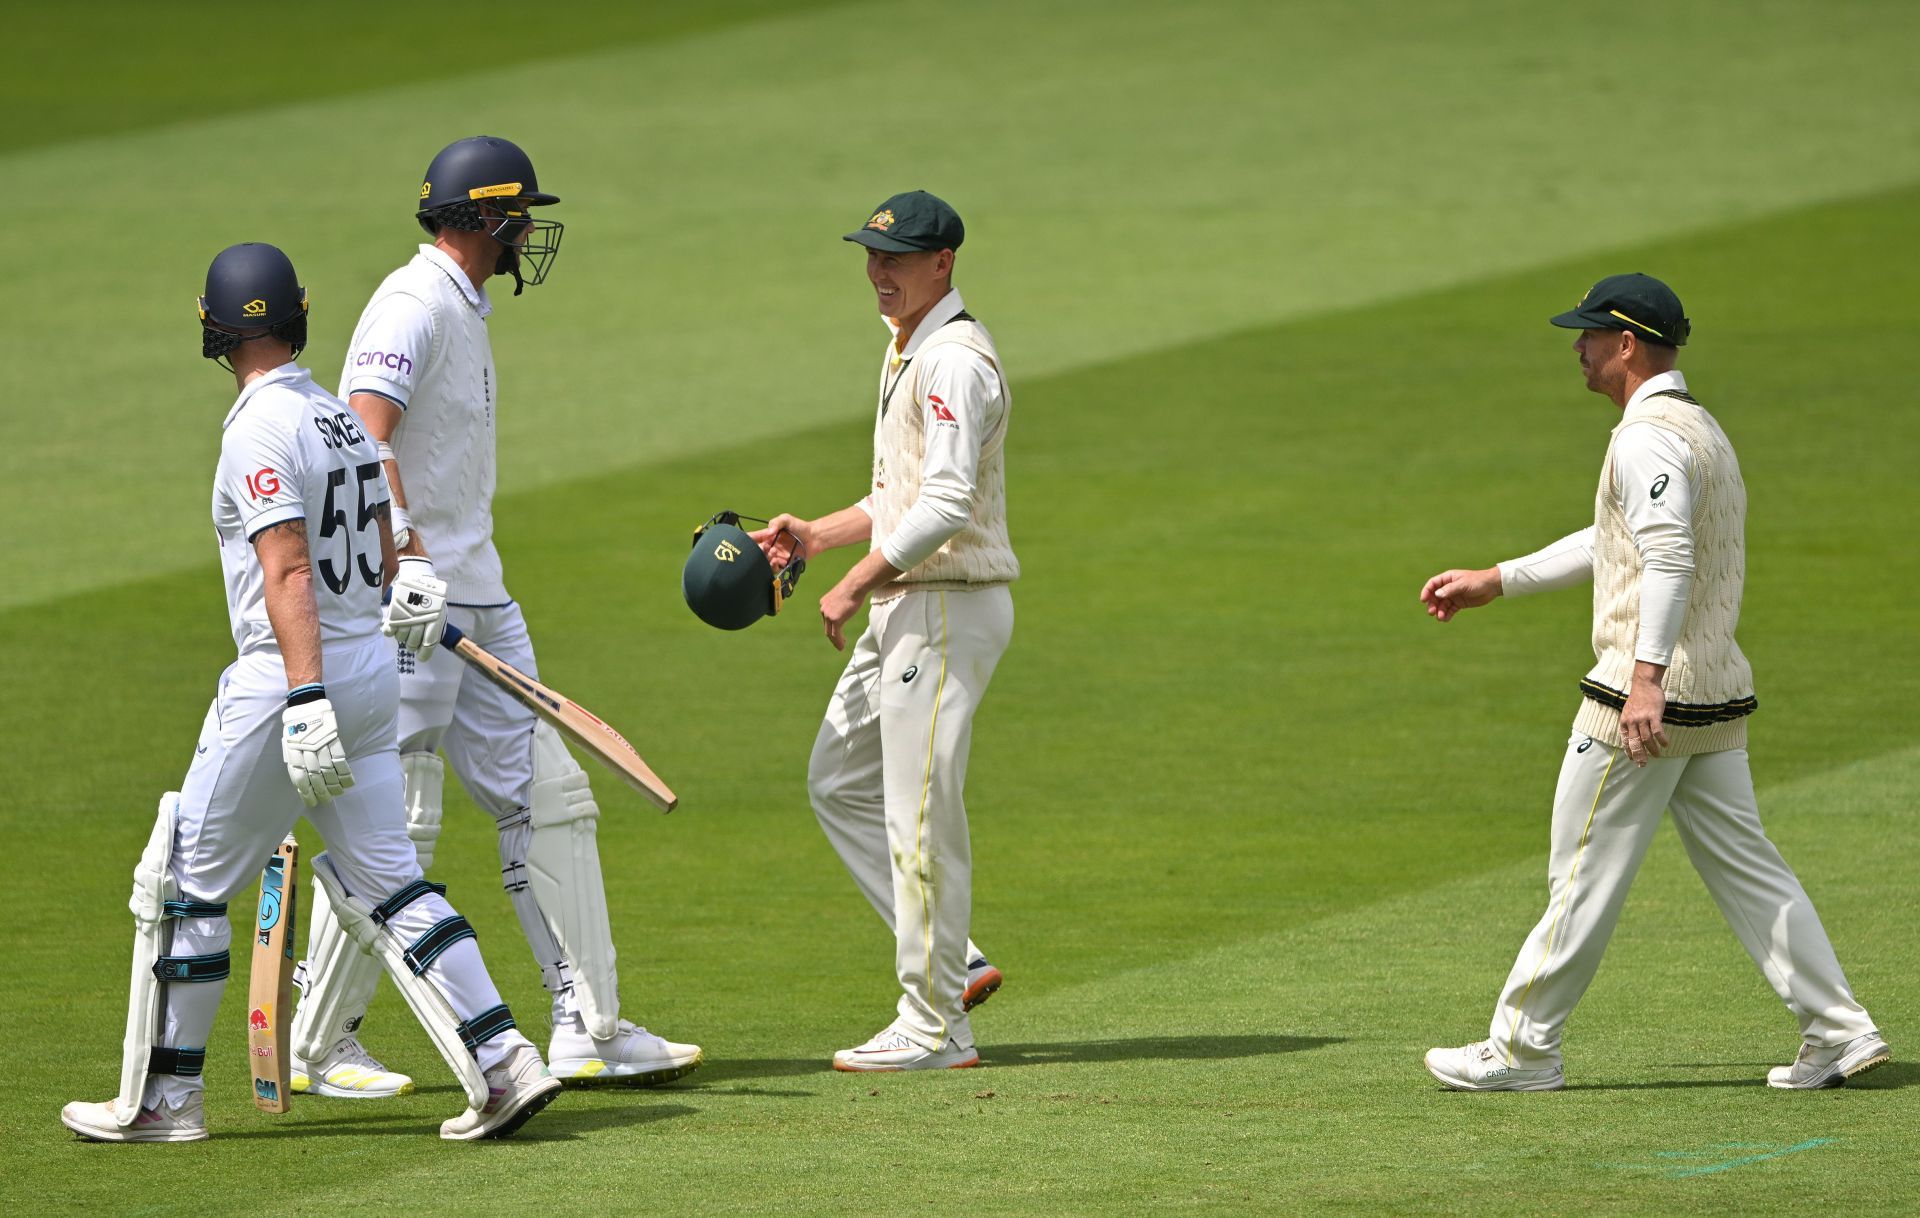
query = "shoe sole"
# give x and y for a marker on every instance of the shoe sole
(91, 1134)
(1839, 1078)
(578, 1073)
(331, 1092)
(511, 1123)
(968, 1064)
(1454, 1084)
(981, 990)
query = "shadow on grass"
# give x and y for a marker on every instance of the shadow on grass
(1152, 1048)
(1890, 1077)
(1138, 1048)
(559, 1122)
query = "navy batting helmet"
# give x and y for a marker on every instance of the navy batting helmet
(728, 582)
(252, 293)
(485, 184)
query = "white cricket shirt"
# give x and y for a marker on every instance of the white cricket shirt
(422, 343)
(293, 451)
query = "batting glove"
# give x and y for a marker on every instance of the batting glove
(310, 745)
(416, 613)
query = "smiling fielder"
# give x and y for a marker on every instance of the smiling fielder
(890, 762)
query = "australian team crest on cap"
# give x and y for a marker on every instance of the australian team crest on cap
(882, 220)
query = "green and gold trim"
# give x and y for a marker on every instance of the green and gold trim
(1676, 714)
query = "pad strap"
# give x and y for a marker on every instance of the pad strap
(194, 909)
(183, 1062)
(443, 935)
(405, 897)
(213, 967)
(484, 1027)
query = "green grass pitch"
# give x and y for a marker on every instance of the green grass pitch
(1251, 833)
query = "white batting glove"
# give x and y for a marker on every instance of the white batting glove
(416, 613)
(310, 745)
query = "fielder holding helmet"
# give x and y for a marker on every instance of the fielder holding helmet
(890, 762)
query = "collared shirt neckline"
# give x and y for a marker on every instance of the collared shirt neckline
(943, 311)
(1656, 384)
(288, 373)
(477, 297)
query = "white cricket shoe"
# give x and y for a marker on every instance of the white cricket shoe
(982, 980)
(347, 1072)
(632, 1055)
(1818, 1067)
(1481, 1067)
(891, 1050)
(96, 1123)
(518, 1087)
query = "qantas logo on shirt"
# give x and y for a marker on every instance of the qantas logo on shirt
(263, 484)
(393, 361)
(940, 411)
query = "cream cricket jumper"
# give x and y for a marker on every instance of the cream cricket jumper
(1709, 684)
(939, 498)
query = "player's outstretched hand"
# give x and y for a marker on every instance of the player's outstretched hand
(1447, 593)
(776, 540)
(310, 745)
(416, 612)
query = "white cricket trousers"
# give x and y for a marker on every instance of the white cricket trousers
(1605, 811)
(886, 782)
(487, 737)
(237, 803)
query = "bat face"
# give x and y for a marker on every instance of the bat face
(270, 989)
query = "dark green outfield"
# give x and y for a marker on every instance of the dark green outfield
(1250, 832)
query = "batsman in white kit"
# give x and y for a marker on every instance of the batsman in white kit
(889, 765)
(1662, 723)
(419, 375)
(301, 511)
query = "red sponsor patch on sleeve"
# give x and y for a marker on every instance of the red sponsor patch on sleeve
(263, 483)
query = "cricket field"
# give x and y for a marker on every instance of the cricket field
(1251, 832)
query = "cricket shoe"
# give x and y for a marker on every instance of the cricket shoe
(517, 1088)
(982, 980)
(347, 1072)
(1481, 1067)
(632, 1056)
(96, 1122)
(1818, 1067)
(891, 1050)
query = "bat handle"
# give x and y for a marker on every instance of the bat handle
(451, 636)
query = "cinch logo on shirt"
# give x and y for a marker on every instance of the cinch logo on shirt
(395, 361)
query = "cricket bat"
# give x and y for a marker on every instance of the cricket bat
(270, 995)
(573, 720)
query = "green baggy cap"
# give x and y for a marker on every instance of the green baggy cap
(911, 222)
(1637, 303)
